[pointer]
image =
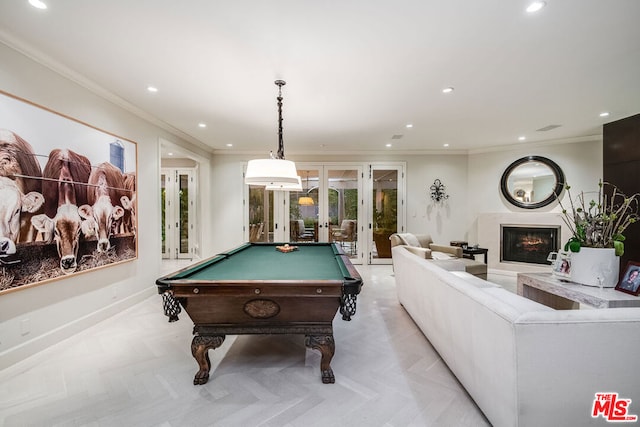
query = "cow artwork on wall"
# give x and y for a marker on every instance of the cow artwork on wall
(67, 196)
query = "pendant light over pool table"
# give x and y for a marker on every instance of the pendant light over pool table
(274, 173)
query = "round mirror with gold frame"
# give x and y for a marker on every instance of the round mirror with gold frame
(532, 182)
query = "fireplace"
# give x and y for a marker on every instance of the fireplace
(529, 244)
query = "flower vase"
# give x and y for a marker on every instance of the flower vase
(595, 267)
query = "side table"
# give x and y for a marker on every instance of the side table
(470, 252)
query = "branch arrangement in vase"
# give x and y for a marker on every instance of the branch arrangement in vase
(599, 222)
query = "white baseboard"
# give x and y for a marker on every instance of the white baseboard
(27, 352)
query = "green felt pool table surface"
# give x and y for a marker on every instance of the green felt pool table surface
(264, 262)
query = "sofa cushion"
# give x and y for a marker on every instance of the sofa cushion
(441, 255)
(447, 261)
(470, 266)
(453, 250)
(474, 280)
(453, 264)
(519, 303)
(475, 267)
(421, 252)
(424, 239)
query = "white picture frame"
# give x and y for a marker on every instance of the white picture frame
(561, 266)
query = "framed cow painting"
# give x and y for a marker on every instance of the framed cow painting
(67, 196)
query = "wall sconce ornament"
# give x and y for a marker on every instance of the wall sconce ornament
(438, 191)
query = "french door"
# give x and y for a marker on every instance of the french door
(177, 188)
(329, 208)
(386, 209)
(338, 203)
(345, 209)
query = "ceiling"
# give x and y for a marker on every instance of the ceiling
(357, 71)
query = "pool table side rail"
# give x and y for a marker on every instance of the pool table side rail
(257, 287)
(164, 283)
(352, 282)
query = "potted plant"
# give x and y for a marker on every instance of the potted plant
(384, 227)
(597, 227)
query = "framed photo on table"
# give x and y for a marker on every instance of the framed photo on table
(630, 282)
(562, 265)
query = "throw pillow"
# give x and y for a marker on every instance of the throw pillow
(409, 239)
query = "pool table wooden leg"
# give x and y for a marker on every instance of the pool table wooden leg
(200, 347)
(327, 347)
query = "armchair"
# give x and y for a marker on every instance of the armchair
(298, 232)
(347, 233)
(448, 257)
(255, 232)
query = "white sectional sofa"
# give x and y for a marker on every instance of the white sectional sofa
(523, 363)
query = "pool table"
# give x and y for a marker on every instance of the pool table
(256, 289)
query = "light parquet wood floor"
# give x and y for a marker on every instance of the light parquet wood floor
(136, 369)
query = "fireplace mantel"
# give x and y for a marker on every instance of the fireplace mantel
(489, 235)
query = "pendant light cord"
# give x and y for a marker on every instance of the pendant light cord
(280, 155)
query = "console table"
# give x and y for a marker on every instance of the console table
(563, 294)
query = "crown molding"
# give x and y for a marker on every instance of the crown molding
(57, 67)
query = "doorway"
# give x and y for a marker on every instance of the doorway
(330, 208)
(178, 191)
(338, 203)
(261, 215)
(386, 209)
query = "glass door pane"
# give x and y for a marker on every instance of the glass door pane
(343, 202)
(384, 211)
(177, 192)
(164, 210)
(184, 214)
(304, 208)
(260, 214)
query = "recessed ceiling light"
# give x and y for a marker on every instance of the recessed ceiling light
(445, 145)
(447, 90)
(229, 145)
(536, 6)
(169, 154)
(38, 4)
(604, 114)
(522, 138)
(409, 125)
(152, 89)
(202, 125)
(388, 145)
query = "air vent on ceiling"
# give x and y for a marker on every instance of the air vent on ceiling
(548, 128)
(397, 137)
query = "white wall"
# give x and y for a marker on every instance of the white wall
(472, 182)
(441, 220)
(36, 317)
(581, 163)
(423, 216)
(227, 211)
